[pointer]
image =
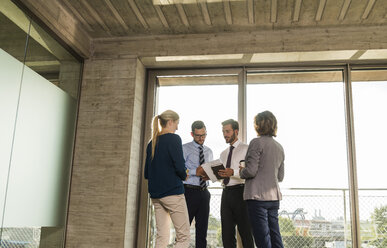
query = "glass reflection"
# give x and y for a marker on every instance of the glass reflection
(38, 104)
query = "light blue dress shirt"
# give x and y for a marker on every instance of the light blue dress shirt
(191, 156)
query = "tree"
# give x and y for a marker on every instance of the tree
(286, 226)
(214, 235)
(213, 223)
(379, 217)
(289, 236)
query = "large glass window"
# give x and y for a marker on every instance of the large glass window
(369, 95)
(309, 106)
(39, 82)
(212, 99)
(311, 123)
(211, 103)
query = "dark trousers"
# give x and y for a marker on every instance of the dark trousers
(198, 204)
(264, 221)
(233, 212)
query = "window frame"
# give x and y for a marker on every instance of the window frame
(241, 72)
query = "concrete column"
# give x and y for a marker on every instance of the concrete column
(107, 162)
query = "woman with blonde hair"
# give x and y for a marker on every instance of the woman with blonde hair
(264, 169)
(165, 170)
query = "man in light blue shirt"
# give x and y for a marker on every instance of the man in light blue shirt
(196, 194)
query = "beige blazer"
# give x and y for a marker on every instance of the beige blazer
(264, 169)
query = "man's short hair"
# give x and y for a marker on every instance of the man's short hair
(234, 124)
(197, 125)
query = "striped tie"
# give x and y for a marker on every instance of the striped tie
(203, 183)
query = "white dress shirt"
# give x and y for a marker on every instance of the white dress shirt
(238, 154)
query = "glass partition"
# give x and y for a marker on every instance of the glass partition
(13, 42)
(369, 93)
(39, 83)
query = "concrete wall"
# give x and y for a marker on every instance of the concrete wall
(107, 164)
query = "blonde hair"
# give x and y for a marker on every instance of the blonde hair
(162, 119)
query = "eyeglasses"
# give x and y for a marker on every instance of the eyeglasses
(200, 135)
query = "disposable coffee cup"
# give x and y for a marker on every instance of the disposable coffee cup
(242, 163)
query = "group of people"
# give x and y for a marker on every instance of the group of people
(177, 183)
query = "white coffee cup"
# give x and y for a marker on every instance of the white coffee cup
(242, 163)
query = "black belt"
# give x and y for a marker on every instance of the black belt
(190, 186)
(237, 186)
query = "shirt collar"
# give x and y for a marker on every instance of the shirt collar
(236, 144)
(197, 145)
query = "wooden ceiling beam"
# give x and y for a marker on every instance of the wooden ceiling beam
(297, 10)
(116, 14)
(161, 15)
(182, 14)
(96, 16)
(206, 15)
(227, 11)
(250, 11)
(368, 9)
(320, 10)
(273, 12)
(344, 9)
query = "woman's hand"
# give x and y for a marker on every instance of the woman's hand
(240, 169)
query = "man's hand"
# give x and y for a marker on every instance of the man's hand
(228, 172)
(205, 178)
(201, 173)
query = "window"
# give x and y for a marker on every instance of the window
(311, 108)
(211, 99)
(369, 95)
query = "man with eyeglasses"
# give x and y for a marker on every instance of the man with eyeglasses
(196, 193)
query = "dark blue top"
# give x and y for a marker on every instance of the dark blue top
(167, 169)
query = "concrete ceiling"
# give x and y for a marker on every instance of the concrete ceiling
(183, 33)
(203, 33)
(122, 18)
